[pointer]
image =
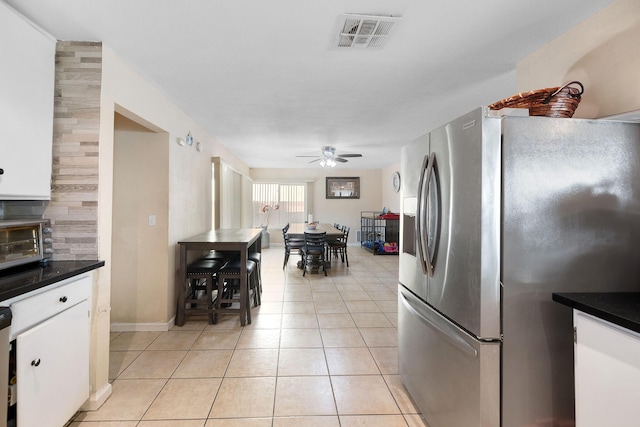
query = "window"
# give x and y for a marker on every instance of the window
(290, 199)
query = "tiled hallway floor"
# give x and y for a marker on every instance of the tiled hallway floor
(321, 351)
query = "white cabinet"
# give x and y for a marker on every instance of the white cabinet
(53, 368)
(27, 77)
(52, 334)
(607, 371)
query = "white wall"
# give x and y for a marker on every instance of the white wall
(189, 173)
(233, 201)
(189, 178)
(390, 199)
(140, 280)
(345, 212)
(602, 53)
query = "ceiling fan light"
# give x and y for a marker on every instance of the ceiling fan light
(328, 151)
(329, 158)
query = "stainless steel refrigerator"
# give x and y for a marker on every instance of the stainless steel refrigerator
(497, 213)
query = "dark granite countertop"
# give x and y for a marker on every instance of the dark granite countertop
(20, 280)
(620, 308)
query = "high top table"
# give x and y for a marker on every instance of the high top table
(241, 240)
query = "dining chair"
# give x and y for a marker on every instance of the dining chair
(290, 244)
(338, 246)
(313, 251)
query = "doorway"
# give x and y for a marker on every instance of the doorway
(140, 253)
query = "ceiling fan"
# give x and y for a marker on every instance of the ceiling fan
(328, 157)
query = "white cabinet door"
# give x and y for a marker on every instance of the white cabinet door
(27, 77)
(607, 368)
(53, 368)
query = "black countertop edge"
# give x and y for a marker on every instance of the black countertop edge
(21, 280)
(619, 308)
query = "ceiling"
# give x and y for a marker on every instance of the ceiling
(265, 78)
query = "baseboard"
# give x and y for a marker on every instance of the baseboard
(95, 401)
(142, 327)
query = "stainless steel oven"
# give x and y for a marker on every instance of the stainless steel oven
(24, 241)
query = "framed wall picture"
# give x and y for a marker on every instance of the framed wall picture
(341, 187)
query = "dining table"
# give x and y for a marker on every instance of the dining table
(242, 240)
(297, 230)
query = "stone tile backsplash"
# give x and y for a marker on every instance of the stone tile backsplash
(73, 208)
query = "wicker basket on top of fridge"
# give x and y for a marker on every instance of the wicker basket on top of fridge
(550, 102)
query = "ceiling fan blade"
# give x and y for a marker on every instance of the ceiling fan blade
(328, 155)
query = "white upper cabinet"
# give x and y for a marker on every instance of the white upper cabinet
(27, 78)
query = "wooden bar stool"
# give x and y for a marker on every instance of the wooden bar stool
(201, 276)
(257, 258)
(229, 292)
(221, 256)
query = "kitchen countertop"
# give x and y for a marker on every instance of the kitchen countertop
(619, 308)
(26, 278)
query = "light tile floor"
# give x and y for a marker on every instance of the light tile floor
(321, 351)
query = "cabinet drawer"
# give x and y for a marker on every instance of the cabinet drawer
(30, 311)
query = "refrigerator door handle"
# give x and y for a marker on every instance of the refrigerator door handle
(454, 340)
(420, 211)
(425, 184)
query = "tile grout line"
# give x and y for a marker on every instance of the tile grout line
(292, 286)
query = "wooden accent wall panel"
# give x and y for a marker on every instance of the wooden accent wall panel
(73, 208)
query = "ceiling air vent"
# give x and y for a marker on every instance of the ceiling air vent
(365, 31)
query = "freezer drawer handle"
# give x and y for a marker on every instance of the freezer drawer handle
(460, 343)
